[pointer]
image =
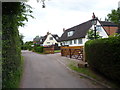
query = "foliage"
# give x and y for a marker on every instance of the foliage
(91, 35)
(114, 15)
(24, 47)
(13, 15)
(27, 45)
(91, 73)
(38, 49)
(21, 39)
(103, 56)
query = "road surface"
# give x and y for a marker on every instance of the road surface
(44, 71)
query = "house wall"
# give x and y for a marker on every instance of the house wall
(51, 42)
(101, 30)
(73, 44)
(110, 30)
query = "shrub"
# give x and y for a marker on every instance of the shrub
(38, 49)
(103, 55)
(24, 47)
(30, 48)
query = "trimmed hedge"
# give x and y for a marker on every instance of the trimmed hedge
(103, 55)
(11, 52)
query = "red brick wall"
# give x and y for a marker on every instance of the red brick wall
(110, 30)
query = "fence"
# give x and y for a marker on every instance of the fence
(48, 50)
(75, 52)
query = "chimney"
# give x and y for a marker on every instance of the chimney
(48, 33)
(63, 29)
(93, 17)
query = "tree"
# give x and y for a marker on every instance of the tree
(21, 39)
(91, 35)
(114, 16)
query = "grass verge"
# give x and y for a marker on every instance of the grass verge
(73, 65)
(57, 51)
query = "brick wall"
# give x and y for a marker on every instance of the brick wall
(110, 30)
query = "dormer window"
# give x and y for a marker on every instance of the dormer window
(70, 33)
(51, 38)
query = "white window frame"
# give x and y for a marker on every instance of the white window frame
(70, 33)
(75, 41)
(79, 41)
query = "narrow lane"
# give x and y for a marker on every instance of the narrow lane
(43, 71)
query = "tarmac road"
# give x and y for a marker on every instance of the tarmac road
(44, 71)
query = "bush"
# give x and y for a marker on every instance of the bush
(11, 52)
(24, 47)
(38, 49)
(103, 55)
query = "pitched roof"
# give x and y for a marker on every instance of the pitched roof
(43, 38)
(56, 37)
(79, 31)
(106, 23)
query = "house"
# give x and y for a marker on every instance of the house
(110, 27)
(47, 40)
(36, 40)
(77, 35)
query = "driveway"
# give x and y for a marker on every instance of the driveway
(44, 71)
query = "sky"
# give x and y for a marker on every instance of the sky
(60, 14)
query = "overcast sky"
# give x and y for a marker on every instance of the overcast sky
(60, 14)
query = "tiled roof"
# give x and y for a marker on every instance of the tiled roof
(55, 37)
(105, 23)
(79, 31)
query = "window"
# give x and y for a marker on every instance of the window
(75, 41)
(70, 33)
(98, 27)
(40, 40)
(51, 38)
(71, 42)
(66, 42)
(79, 41)
(63, 43)
(48, 42)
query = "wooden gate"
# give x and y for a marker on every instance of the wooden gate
(75, 52)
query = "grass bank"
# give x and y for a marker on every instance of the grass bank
(73, 65)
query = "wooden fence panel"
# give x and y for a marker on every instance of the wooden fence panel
(48, 50)
(75, 52)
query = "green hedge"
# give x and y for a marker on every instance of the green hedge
(11, 52)
(103, 55)
(38, 49)
(26, 47)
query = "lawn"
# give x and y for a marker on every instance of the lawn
(57, 51)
